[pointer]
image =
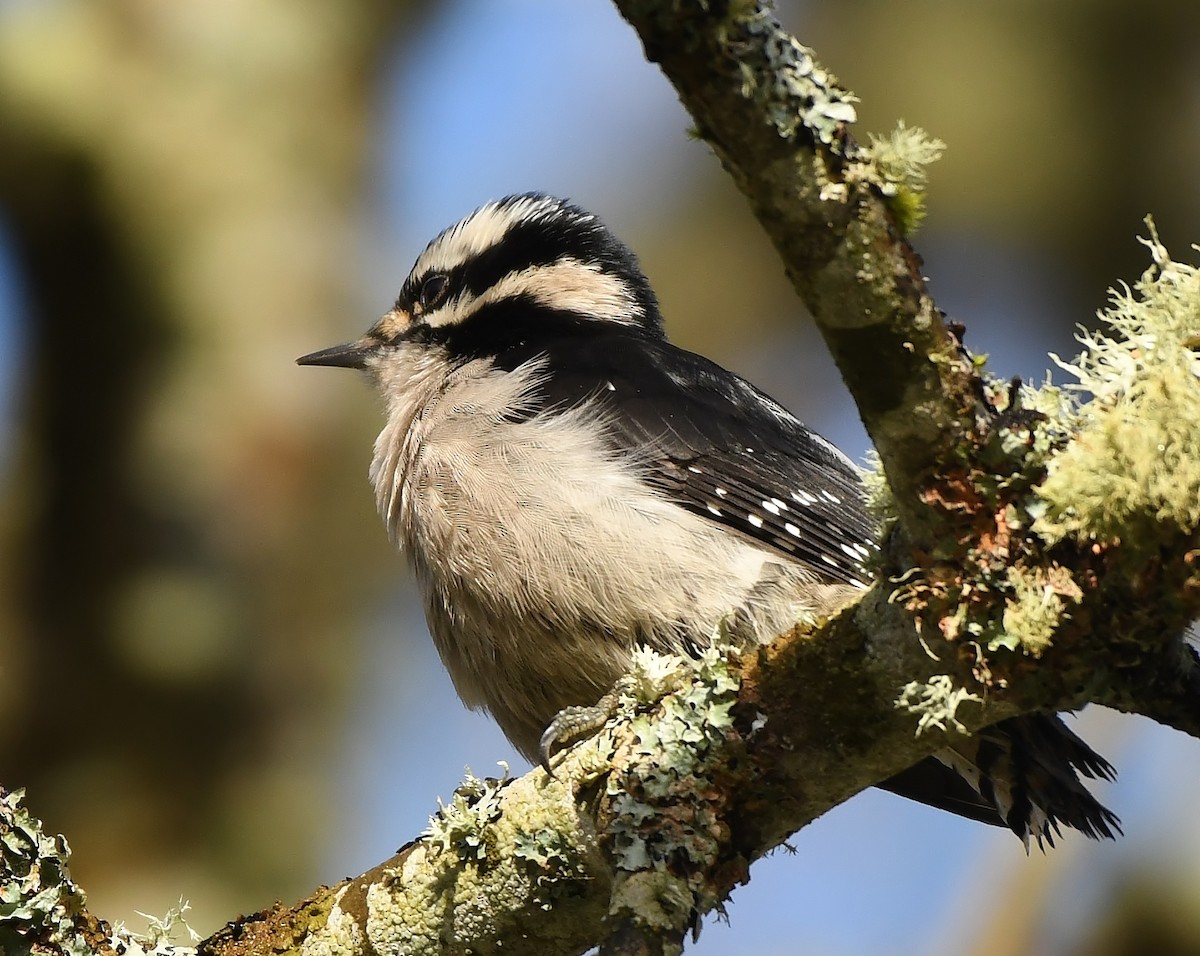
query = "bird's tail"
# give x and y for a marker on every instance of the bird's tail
(1022, 773)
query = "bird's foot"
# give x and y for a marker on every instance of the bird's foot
(572, 723)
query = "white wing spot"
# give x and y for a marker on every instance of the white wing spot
(714, 510)
(694, 470)
(721, 492)
(755, 520)
(770, 508)
(852, 551)
(833, 498)
(804, 498)
(779, 504)
(792, 529)
(828, 560)
(611, 386)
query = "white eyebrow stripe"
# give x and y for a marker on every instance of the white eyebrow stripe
(567, 284)
(480, 231)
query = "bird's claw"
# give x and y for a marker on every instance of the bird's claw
(572, 723)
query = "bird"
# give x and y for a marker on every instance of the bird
(569, 486)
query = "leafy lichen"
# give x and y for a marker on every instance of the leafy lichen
(160, 934)
(1036, 606)
(552, 861)
(667, 828)
(461, 826)
(39, 903)
(783, 77)
(1119, 467)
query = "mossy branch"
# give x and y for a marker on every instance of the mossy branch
(1046, 557)
(1025, 525)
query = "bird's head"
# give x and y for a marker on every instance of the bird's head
(503, 275)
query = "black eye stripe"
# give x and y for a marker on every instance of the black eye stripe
(526, 246)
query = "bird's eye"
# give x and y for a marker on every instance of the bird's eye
(433, 290)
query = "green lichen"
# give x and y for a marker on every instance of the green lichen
(935, 703)
(461, 826)
(158, 939)
(783, 77)
(651, 675)
(1036, 606)
(552, 861)
(1121, 466)
(39, 903)
(340, 935)
(898, 165)
(1136, 460)
(667, 827)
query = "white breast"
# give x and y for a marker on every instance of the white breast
(540, 550)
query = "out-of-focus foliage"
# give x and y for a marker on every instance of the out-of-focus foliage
(179, 183)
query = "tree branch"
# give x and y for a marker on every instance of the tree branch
(1017, 578)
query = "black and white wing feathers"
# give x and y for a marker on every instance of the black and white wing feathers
(712, 442)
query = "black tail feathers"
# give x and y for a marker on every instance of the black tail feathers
(1022, 773)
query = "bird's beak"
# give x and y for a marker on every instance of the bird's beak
(350, 355)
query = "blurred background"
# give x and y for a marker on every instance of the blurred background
(214, 677)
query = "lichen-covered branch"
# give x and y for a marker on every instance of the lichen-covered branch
(1031, 525)
(647, 826)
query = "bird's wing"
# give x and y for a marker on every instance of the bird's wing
(714, 443)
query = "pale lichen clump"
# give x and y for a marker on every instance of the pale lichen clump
(492, 854)
(40, 903)
(935, 703)
(1135, 462)
(42, 910)
(461, 826)
(1038, 602)
(1120, 468)
(160, 934)
(898, 165)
